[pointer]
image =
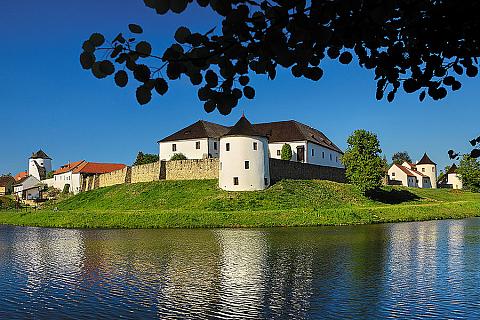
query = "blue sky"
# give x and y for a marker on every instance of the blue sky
(48, 101)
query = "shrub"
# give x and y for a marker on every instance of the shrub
(286, 152)
(66, 188)
(145, 158)
(178, 156)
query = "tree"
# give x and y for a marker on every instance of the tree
(145, 158)
(178, 156)
(286, 152)
(401, 157)
(421, 46)
(362, 160)
(50, 174)
(469, 172)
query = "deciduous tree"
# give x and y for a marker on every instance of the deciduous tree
(401, 157)
(362, 160)
(469, 172)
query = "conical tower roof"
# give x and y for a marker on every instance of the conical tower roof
(243, 127)
(426, 160)
(40, 155)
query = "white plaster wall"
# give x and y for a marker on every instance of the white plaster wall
(232, 164)
(60, 180)
(76, 183)
(49, 182)
(277, 146)
(32, 168)
(323, 156)
(431, 171)
(455, 181)
(395, 173)
(187, 147)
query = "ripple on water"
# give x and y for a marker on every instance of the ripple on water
(411, 270)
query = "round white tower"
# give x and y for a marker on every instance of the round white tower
(428, 168)
(244, 163)
(39, 165)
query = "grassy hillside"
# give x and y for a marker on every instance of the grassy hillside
(289, 202)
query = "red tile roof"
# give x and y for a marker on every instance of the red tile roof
(405, 170)
(21, 175)
(97, 168)
(68, 167)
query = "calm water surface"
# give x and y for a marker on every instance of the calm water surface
(409, 270)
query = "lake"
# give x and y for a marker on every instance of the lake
(403, 270)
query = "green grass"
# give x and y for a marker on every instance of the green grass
(189, 204)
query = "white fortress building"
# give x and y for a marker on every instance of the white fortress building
(244, 149)
(244, 163)
(39, 165)
(423, 174)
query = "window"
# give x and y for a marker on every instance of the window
(227, 146)
(313, 152)
(235, 181)
(393, 174)
(423, 169)
(197, 145)
(433, 169)
(279, 152)
(323, 155)
(215, 145)
(266, 181)
(254, 146)
(330, 157)
(247, 164)
(336, 158)
(174, 147)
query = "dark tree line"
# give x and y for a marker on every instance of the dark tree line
(418, 46)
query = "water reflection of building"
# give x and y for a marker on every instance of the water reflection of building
(242, 272)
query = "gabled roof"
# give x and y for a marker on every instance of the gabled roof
(453, 169)
(98, 168)
(40, 155)
(21, 175)
(198, 130)
(243, 127)
(426, 160)
(405, 170)
(291, 130)
(6, 180)
(68, 167)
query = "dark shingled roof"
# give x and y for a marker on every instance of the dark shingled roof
(281, 131)
(291, 130)
(200, 129)
(40, 155)
(426, 160)
(243, 127)
(6, 180)
(453, 169)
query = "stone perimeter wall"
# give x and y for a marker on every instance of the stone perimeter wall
(282, 169)
(192, 169)
(208, 169)
(146, 172)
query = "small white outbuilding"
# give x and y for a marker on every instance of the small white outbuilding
(244, 161)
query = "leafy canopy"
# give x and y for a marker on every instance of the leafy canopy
(286, 152)
(401, 157)
(469, 171)
(145, 158)
(362, 160)
(419, 46)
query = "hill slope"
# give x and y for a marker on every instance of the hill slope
(287, 203)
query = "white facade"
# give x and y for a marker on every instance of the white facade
(244, 164)
(455, 181)
(429, 170)
(192, 148)
(422, 180)
(29, 189)
(33, 170)
(70, 178)
(396, 173)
